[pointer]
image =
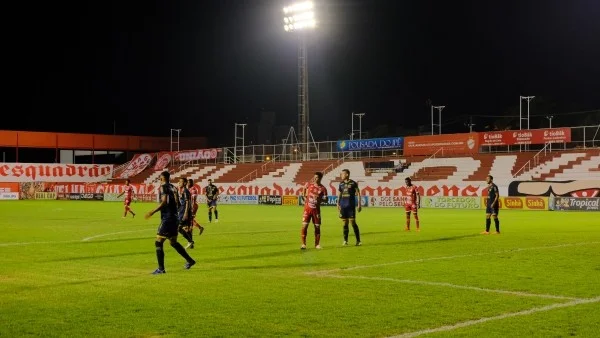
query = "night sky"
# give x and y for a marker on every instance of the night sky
(204, 65)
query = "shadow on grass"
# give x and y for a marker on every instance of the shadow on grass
(264, 267)
(81, 258)
(431, 240)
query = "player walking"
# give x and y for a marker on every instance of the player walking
(194, 196)
(128, 196)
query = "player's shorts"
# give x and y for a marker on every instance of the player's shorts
(167, 228)
(127, 203)
(348, 213)
(194, 209)
(212, 204)
(185, 223)
(311, 214)
(492, 210)
(411, 207)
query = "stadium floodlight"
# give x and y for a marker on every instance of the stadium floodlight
(299, 16)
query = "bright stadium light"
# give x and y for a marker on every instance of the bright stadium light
(299, 16)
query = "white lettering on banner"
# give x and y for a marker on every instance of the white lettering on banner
(39, 172)
(162, 161)
(9, 196)
(387, 201)
(450, 202)
(376, 144)
(137, 164)
(199, 154)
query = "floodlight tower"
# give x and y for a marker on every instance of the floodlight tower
(300, 18)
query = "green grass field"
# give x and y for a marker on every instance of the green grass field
(78, 269)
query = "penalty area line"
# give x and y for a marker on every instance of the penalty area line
(499, 317)
(357, 267)
(456, 286)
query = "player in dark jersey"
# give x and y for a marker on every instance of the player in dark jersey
(168, 224)
(184, 212)
(128, 191)
(194, 195)
(492, 206)
(212, 194)
(347, 196)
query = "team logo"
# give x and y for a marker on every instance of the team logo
(342, 145)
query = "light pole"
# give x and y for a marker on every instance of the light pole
(300, 18)
(521, 118)
(439, 108)
(470, 124)
(550, 117)
(359, 130)
(235, 142)
(178, 131)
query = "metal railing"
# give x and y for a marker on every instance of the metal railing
(535, 159)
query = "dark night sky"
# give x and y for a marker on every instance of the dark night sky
(203, 65)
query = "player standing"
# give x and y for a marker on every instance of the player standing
(212, 194)
(348, 192)
(128, 196)
(184, 212)
(412, 203)
(194, 195)
(492, 207)
(168, 224)
(314, 193)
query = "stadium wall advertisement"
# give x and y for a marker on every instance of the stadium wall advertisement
(533, 136)
(575, 203)
(238, 199)
(55, 172)
(290, 200)
(332, 201)
(458, 144)
(520, 203)
(41, 195)
(269, 199)
(9, 196)
(371, 144)
(113, 197)
(9, 187)
(444, 202)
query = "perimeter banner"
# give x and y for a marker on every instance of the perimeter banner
(532, 136)
(455, 144)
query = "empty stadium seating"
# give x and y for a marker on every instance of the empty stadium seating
(562, 165)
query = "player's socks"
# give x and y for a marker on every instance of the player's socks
(180, 250)
(417, 221)
(317, 234)
(216, 215)
(160, 255)
(184, 234)
(488, 222)
(356, 232)
(210, 215)
(303, 233)
(497, 224)
(346, 231)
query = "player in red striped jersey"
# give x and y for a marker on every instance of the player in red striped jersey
(194, 193)
(412, 203)
(314, 194)
(128, 191)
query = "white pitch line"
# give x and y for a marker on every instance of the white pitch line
(30, 243)
(112, 233)
(455, 286)
(320, 272)
(499, 317)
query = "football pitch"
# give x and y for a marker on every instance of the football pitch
(77, 268)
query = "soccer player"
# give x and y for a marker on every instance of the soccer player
(412, 203)
(128, 195)
(168, 224)
(184, 212)
(492, 207)
(212, 193)
(314, 193)
(348, 192)
(194, 195)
